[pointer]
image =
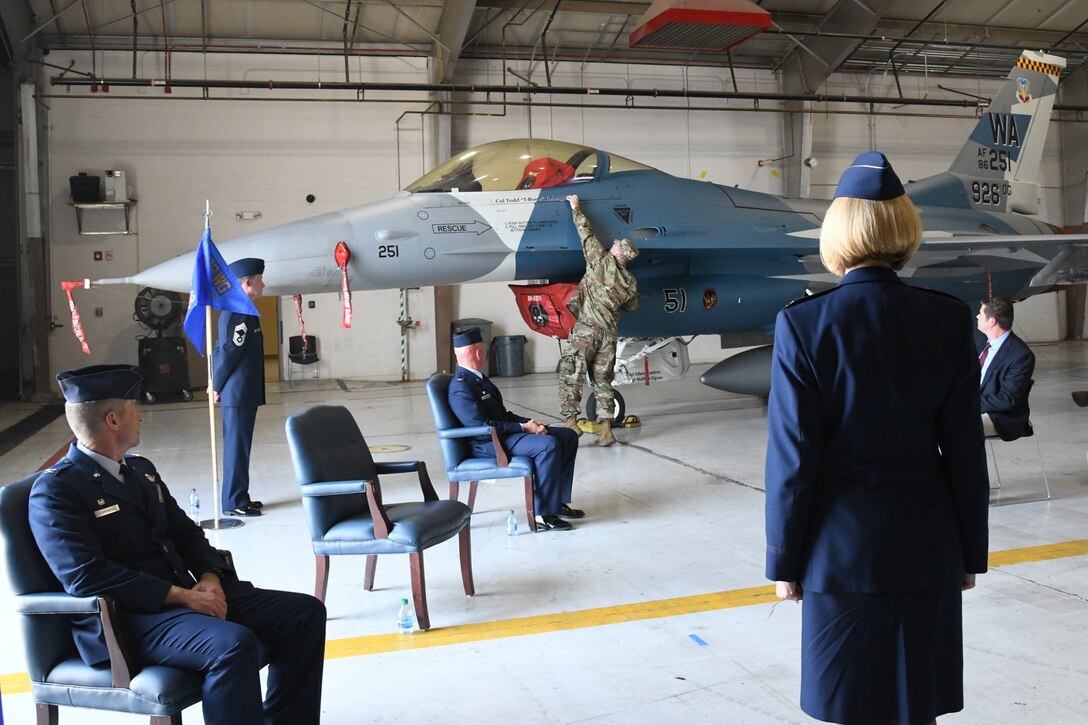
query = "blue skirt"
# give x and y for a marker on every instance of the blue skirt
(881, 658)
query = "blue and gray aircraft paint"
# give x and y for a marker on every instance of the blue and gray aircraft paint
(714, 259)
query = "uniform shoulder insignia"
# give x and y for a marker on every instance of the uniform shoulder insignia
(61, 465)
(812, 296)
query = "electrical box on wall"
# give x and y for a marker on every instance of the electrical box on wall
(115, 186)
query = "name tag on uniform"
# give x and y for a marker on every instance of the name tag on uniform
(107, 511)
(485, 396)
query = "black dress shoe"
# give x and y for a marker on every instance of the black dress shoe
(248, 510)
(552, 523)
(568, 513)
(257, 504)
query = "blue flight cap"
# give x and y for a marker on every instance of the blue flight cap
(870, 177)
(471, 336)
(246, 267)
(101, 382)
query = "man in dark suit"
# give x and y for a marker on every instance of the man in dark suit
(107, 525)
(1007, 366)
(476, 401)
(239, 388)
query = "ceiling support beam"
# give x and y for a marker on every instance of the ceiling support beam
(809, 65)
(452, 30)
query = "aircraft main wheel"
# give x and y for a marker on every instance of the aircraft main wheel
(187, 395)
(591, 407)
(150, 398)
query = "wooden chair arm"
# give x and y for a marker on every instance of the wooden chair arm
(501, 458)
(425, 483)
(382, 525)
(417, 467)
(123, 664)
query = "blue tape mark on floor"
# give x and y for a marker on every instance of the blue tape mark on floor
(697, 640)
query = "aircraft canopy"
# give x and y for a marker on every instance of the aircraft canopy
(517, 164)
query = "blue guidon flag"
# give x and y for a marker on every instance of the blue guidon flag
(213, 285)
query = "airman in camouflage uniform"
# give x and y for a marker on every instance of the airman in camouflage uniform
(606, 289)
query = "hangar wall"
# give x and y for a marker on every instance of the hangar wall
(254, 151)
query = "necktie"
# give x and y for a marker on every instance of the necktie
(982, 357)
(125, 470)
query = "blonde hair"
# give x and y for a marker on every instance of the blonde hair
(856, 231)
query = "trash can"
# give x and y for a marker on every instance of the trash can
(510, 355)
(458, 326)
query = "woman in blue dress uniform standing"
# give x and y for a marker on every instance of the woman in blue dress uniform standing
(877, 490)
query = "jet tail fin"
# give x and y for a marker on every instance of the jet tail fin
(997, 170)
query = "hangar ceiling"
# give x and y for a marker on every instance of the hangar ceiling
(806, 40)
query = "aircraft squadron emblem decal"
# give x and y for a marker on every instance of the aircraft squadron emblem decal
(710, 299)
(1023, 90)
(239, 336)
(538, 314)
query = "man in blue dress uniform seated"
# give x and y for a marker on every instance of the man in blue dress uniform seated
(239, 388)
(107, 524)
(476, 401)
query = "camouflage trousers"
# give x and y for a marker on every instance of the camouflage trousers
(593, 349)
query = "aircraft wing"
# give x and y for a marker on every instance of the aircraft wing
(1059, 258)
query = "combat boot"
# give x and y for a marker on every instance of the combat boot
(572, 423)
(606, 438)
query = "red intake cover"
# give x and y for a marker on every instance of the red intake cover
(544, 307)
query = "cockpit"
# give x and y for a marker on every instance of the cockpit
(519, 164)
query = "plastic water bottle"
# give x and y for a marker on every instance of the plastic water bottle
(194, 507)
(511, 523)
(404, 618)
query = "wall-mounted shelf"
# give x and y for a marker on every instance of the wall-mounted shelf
(105, 207)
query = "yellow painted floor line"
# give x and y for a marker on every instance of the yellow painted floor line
(18, 682)
(373, 644)
(1039, 553)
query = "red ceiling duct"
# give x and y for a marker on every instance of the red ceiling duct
(711, 25)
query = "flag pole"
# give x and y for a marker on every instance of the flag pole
(218, 522)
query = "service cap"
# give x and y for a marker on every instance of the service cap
(101, 382)
(471, 336)
(870, 177)
(247, 266)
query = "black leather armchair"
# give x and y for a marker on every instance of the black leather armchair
(461, 463)
(342, 497)
(58, 675)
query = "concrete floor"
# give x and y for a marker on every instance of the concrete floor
(654, 609)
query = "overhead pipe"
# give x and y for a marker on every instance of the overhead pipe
(488, 89)
(136, 29)
(541, 104)
(904, 39)
(165, 39)
(90, 38)
(347, 46)
(259, 47)
(544, 42)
